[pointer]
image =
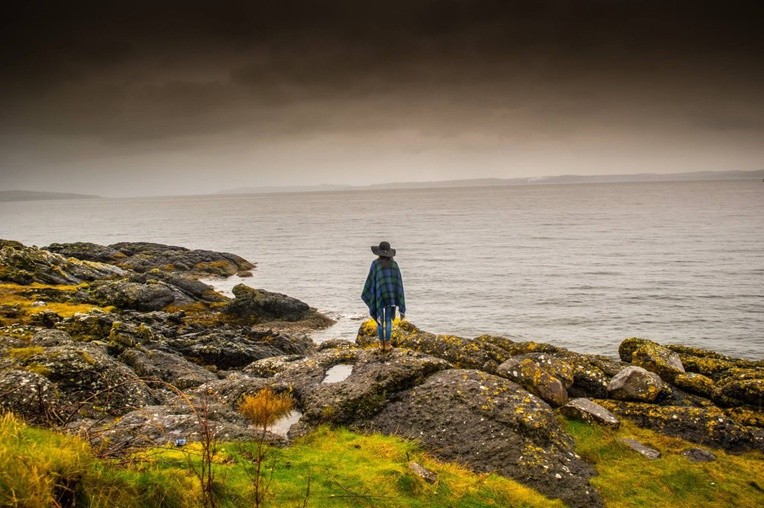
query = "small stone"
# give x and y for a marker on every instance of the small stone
(588, 411)
(699, 455)
(643, 450)
(422, 472)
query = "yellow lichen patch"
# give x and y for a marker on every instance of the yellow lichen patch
(38, 368)
(26, 303)
(25, 353)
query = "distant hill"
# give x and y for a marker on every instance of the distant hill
(21, 195)
(498, 182)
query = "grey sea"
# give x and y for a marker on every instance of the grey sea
(579, 266)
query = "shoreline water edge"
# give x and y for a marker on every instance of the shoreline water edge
(102, 340)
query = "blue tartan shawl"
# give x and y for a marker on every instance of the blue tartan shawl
(383, 288)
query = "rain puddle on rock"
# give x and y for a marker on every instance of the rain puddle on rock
(338, 373)
(282, 426)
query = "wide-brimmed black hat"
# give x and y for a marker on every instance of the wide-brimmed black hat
(383, 250)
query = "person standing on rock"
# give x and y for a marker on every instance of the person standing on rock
(383, 292)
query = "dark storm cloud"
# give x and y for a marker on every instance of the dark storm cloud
(153, 75)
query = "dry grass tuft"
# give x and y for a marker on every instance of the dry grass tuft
(266, 407)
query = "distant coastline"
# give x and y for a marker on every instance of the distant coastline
(22, 195)
(694, 176)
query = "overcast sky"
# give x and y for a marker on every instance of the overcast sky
(180, 97)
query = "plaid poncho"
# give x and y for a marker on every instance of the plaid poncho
(383, 288)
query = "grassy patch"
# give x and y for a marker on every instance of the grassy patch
(626, 479)
(341, 468)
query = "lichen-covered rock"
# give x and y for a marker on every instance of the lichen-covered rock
(749, 391)
(134, 295)
(708, 426)
(232, 390)
(710, 363)
(90, 326)
(635, 383)
(260, 305)
(698, 455)
(746, 416)
(628, 346)
(336, 344)
(491, 424)
(460, 352)
(85, 377)
(127, 335)
(169, 368)
(31, 396)
(658, 359)
(231, 348)
(697, 384)
(145, 256)
(591, 412)
(534, 373)
(167, 424)
(24, 265)
(367, 390)
(50, 338)
(589, 379)
(269, 367)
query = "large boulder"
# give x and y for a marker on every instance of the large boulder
(259, 305)
(540, 374)
(697, 384)
(749, 391)
(659, 360)
(135, 295)
(491, 424)
(635, 383)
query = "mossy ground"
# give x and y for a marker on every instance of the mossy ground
(627, 479)
(329, 468)
(338, 468)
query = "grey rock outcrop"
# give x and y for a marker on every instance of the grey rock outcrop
(260, 305)
(145, 256)
(24, 265)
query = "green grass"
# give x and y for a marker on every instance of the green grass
(343, 469)
(626, 479)
(340, 469)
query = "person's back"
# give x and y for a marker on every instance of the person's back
(383, 291)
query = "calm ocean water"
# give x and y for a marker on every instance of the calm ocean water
(580, 266)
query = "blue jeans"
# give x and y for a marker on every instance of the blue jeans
(385, 323)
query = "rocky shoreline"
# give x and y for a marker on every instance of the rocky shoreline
(120, 342)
